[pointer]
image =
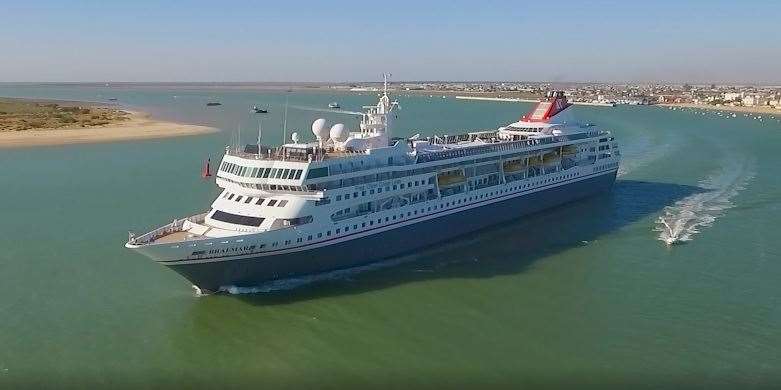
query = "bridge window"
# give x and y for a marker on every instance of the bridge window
(236, 219)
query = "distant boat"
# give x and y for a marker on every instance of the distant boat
(206, 172)
(210, 104)
(112, 99)
(259, 110)
(333, 105)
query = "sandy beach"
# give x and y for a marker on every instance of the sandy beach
(138, 126)
(749, 110)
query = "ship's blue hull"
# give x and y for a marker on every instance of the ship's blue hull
(247, 272)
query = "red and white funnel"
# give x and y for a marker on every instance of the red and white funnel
(554, 103)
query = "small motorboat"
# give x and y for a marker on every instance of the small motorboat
(333, 105)
(212, 104)
(259, 110)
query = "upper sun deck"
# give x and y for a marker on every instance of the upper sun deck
(289, 152)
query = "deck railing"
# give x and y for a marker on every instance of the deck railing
(172, 227)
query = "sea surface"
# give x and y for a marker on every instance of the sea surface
(673, 279)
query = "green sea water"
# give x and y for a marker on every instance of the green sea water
(584, 295)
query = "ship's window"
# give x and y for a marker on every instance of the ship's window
(379, 190)
(371, 192)
(249, 199)
(279, 173)
(363, 193)
(262, 246)
(314, 173)
(338, 231)
(346, 196)
(266, 172)
(309, 238)
(355, 194)
(355, 227)
(287, 242)
(300, 239)
(239, 198)
(338, 198)
(394, 217)
(346, 229)
(328, 233)
(259, 201)
(319, 235)
(230, 197)
(236, 219)
(371, 223)
(282, 203)
(298, 174)
(272, 202)
(285, 173)
(394, 186)
(363, 224)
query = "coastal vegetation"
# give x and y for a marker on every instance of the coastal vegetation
(21, 115)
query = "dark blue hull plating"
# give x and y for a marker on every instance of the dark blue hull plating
(248, 272)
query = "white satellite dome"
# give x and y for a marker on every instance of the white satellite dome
(294, 137)
(320, 130)
(339, 132)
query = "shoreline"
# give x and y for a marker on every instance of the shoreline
(140, 126)
(747, 110)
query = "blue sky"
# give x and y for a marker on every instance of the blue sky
(616, 41)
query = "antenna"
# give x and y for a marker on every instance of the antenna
(284, 127)
(238, 139)
(385, 82)
(260, 130)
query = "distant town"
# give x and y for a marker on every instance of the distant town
(756, 98)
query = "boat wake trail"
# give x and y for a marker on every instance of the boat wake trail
(681, 221)
(296, 282)
(329, 110)
(640, 154)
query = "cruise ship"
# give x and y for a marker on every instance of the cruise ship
(349, 198)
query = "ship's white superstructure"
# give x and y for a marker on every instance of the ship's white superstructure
(306, 207)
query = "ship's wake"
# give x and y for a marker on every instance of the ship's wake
(640, 154)
(684, 219)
